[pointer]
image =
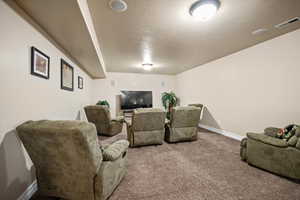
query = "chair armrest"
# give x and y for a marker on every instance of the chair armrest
(115, 150)
(118, 119)
(267, 139)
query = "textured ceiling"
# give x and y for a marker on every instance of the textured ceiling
(163, 32)
(158, 31)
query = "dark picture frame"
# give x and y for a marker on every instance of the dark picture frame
(40, 64)
(80, 82)
(67, 76)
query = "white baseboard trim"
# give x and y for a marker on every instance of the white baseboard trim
(29, 192)
(222, 132)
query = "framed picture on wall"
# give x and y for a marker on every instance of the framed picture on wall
(40, 63)
(80, 82)
(67, 76)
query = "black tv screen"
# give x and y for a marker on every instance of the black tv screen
(136, 99)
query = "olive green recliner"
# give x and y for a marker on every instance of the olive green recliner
(100, 116)
(279, 156)
(69, 161)
(183, 125)
(146, 127)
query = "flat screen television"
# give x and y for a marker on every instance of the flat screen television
(136, 99)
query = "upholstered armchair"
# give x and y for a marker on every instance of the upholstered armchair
(69, 162)
(183, 125)
(100, 116)
(146, 127)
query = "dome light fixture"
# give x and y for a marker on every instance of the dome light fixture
(147, 66)
(205, 9)
(118, 5)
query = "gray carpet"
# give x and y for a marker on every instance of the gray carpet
(207, 169)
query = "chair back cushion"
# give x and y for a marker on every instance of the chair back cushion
(148, 119)
(66, 155)
(197, 105)
(267, 139)
(100, 116)
(187, 116)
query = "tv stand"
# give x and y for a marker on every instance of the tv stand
(127, 113)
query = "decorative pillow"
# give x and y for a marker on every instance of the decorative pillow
(289, 127)
(290, 132)
(272, 131)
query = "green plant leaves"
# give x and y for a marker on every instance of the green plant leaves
(169, 99)
(103, 103)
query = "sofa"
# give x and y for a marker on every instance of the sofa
(100, 116)
(70, 163)
(280, 156)
(183, 124)
(146, 127)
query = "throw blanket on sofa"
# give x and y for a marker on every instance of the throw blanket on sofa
(290, 133)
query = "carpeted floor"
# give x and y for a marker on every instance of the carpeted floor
(207, 169)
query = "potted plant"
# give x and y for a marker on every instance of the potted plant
(103, 103)
(169, 100)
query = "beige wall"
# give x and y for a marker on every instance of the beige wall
(25, 97)
(110, 87)
(249, 90)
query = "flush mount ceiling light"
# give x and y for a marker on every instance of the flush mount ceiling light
(205, 9)
(118, 5)
(147, 66)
